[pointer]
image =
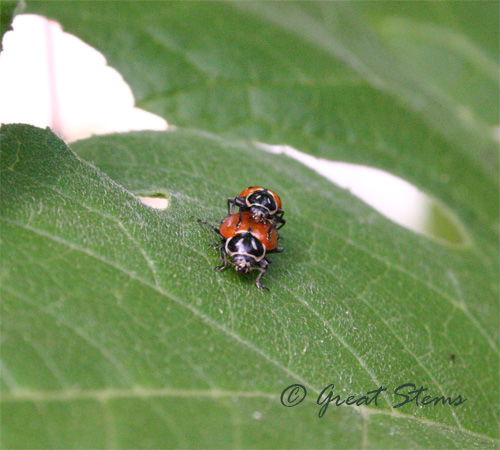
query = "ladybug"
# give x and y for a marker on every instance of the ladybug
(261, 202)
(246, 241)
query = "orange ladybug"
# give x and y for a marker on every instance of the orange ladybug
(245, 222)
(246, 241)
(261, 202)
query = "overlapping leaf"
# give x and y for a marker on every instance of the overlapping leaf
(112, 307)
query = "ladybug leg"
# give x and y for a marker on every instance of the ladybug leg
(279, 218)
(263, 269)
(271, 228)
(239, 201)
(208, 224)
(223, 259)
(275, 250)
(231, 203)
(239, 221)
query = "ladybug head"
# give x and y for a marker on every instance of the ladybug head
(259, 212)
(262, 203)
(242, 263)
(245, 250)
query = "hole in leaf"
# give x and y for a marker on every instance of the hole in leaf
(393, 197)
(156, 201)
(51, 78)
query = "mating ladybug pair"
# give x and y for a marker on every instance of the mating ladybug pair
(247, 236)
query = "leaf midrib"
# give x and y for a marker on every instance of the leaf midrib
(104, 395)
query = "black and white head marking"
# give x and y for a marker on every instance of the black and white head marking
(247, 245)
(262, 201)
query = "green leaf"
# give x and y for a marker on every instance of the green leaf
(334, 79)
(301, 74)
(117, 333)
(7, 13)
